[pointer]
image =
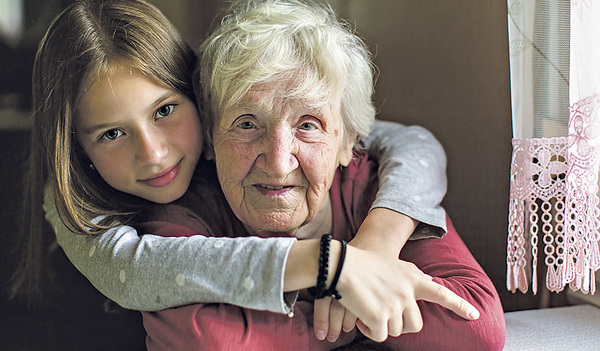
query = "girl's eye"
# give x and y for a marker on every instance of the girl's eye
(164, 111)
(111, 134)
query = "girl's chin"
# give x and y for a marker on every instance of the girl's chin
(165, 198)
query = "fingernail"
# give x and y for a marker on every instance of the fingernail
(473, 313)
(331, 338)
(320, 334)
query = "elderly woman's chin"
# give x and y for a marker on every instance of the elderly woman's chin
(292, 214)
(298, 221)
(275, 223)
(267, 215)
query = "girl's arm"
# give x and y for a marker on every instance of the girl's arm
(150, 272)
(412, 175)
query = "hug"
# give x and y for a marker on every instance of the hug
(243, 196)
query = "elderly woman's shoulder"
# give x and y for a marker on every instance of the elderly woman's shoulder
(361, 168)
(353, 191)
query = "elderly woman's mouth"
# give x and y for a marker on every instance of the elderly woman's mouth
(273, 189)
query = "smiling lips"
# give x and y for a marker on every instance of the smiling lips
(273, 190)
(164, 178)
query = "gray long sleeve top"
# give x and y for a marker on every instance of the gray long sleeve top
(149, 272)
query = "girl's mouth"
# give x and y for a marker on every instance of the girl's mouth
(163, 178)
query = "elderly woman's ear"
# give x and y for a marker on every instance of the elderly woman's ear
(209, 152)
(347, 150)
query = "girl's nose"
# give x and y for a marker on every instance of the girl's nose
(151, 148)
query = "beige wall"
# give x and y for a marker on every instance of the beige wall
(193, 18)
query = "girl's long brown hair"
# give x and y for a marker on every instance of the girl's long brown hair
(87, 40)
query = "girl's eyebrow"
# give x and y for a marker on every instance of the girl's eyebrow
(92, 129)
(167, 95)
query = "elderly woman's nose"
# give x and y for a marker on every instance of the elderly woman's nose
(279, 154)
(151, 148)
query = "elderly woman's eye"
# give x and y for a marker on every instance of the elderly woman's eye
(307, 126)
(246, 125)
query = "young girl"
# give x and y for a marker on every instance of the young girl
(92, 45)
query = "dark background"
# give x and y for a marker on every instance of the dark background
(443, 65)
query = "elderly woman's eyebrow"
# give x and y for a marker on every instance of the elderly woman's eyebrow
(245, 104)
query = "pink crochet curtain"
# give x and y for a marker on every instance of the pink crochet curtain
(555, 92)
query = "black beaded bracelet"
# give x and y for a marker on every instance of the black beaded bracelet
(321, 288)
(332, 289)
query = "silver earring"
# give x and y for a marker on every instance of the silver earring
(92, 167)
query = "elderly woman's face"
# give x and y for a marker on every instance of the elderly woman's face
(276, 159)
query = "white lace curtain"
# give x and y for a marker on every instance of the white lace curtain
(555, 93)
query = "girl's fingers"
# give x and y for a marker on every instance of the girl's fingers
(349, 321)
(376, 333)
(396, 325)
(439, 294)
(413, 322)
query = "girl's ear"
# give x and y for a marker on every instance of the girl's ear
(347, 150)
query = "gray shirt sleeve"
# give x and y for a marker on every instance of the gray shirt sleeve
(149, 272)
(412, 175)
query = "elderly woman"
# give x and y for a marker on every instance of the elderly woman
(288, 97)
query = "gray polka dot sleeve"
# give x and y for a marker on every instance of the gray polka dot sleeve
(412, 175)
(149, 272)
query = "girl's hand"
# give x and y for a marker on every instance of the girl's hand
(383, 231)
(382, 292)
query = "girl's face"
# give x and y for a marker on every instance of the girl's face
(143, 138)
